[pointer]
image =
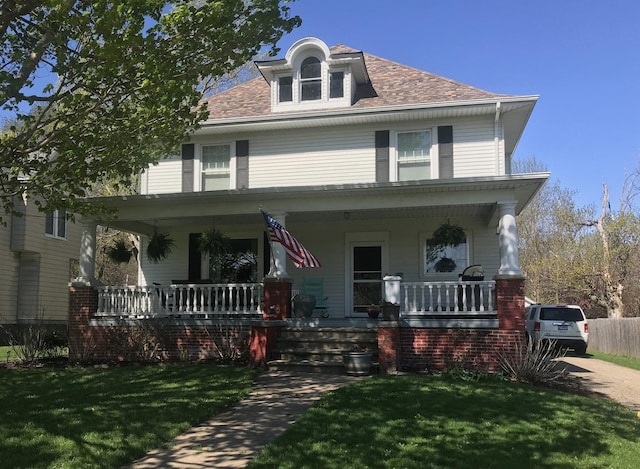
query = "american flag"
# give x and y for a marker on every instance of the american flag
(296, 251)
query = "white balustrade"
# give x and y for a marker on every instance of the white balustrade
(198, 300)
(468, 297)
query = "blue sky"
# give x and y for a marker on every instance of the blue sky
(581, 57)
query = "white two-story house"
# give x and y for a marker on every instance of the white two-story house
(361, 159)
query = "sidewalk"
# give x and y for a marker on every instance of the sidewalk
(236, 436)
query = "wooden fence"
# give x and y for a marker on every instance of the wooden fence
(615, 336)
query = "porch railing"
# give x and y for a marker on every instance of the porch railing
(439, 298)
(195, 300)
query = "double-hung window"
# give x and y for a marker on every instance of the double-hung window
(285, 89)
(56, 224)
(215, 167)
(311, 79)
(413, 155)
(336, 85)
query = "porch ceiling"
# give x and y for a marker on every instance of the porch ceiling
(455, 198)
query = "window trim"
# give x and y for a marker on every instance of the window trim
(55, 221)
(426, 235)
(431, 159)
(222, 173)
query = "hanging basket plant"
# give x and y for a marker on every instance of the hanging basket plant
(448, 234)
(119, 252)
(159, 247)
(213, 242)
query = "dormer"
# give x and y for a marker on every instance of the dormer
(310, 77)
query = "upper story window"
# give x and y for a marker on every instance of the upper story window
(285, 89)
(56, 224)
(336, 85)
(215, 167)
(413, 155)
(311, 79)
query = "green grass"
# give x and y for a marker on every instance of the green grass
(627, 362)
(106, 417)
(430, 422)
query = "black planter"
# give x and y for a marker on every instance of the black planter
(391, 312)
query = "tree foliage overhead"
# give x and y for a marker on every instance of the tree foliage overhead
(95, 90)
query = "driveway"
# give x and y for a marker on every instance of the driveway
(613, 381)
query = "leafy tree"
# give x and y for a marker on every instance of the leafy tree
(96, 90)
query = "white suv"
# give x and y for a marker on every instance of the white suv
(566, 324)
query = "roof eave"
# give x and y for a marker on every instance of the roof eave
(336, 116)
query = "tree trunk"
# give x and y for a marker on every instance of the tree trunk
(612, 290)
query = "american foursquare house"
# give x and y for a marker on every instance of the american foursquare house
(362, 160)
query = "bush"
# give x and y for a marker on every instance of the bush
(533, 362)
(34, 341)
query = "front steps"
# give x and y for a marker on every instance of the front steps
(319, 349)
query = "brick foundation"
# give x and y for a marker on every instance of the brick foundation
(400, 348)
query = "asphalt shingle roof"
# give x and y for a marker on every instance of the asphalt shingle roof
(393, 84)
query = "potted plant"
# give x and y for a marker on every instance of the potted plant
(373, 311)
(159, 247)
(357, 361)
(119, 252)
(390, 311)
(446, 235)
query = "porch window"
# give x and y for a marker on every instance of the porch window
(55, 224)
(239, 264)
(413, 155)
(215, 167)
(311, 79)
(437, 260)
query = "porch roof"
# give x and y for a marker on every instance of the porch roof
(460, 197)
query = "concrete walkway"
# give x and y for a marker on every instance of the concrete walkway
(236, 436)
(612, 381)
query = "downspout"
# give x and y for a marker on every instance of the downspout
(496, 137)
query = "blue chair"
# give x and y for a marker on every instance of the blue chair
(315, 287)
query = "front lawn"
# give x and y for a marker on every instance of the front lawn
(106, 417)
(431, 422)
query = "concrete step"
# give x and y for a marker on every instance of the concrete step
(319, 349)
(312, 366)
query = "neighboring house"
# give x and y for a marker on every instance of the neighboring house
(361, 159)
(38, 252)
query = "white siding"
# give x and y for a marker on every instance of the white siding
(8, 276)
(474, 151)
(312, 157)
(337, 155)
(34, 281)
(165, 178)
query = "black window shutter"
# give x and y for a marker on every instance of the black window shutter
(382, 156)
(445, 151)
(188, 153)
(195, 258)
(242, 164)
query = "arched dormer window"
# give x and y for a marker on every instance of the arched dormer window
(311, 79)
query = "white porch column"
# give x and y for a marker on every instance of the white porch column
(87, 260)
(508, 233)
(278, 261)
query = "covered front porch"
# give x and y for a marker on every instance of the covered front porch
(372, 241)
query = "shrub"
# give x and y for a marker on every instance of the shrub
(533, 362)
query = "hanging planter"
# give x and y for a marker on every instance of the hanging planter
(159, 247)
(214, 243)
(119, 252)
(448, 234)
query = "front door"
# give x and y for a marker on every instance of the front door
(366, 277)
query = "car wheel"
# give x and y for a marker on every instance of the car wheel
(581, 350)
